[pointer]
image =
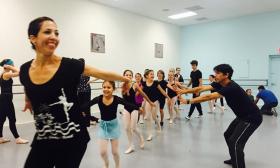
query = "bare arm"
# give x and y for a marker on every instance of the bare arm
(14, 72)
(140, 91)
(200, 82)
(163, 92)
(202, 98)
(180, 85)
(195, 90)
(100, 74)
(169, 86)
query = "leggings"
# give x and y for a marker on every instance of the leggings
(7, 110)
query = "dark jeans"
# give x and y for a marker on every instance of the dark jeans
(7, 110)
(59, 155)
(195, 105)
(266, 108)
(236, 137)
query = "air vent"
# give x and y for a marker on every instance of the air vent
(194, 8)
(201, 19)
(165, 10)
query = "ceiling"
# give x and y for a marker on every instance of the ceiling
(208, 10)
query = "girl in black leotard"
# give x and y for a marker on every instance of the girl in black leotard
(109, 128)
(171, 91)
(130, 116)
(139, 98)
(163, 85)
(171, 86)
(152, 90)
(7, 109)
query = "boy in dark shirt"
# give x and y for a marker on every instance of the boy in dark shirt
(196, 80)
(248, 116)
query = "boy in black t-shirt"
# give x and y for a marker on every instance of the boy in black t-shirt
(248, 116)
(196, 80)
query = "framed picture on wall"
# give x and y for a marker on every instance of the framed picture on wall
(158, 50)
(97, 43)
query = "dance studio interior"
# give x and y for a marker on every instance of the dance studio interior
(139, 83)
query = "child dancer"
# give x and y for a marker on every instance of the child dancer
(139, 98)
(171, 91)
(152, 89)
(130, 115)
(163, 85)
(109, 130)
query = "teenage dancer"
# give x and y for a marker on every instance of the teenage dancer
(139, 98)
(144, 102)
(171, 91)
(109, 128)
(7, 109)
(196, 80)
(50, 84)
(248, 116)
(152, 89)
(130, 115)
(161, 99)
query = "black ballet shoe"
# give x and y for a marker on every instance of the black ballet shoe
(228, 162)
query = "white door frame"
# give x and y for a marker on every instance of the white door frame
(269, 68)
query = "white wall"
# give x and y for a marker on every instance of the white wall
(129, 38)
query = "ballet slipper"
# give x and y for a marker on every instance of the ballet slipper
(21, 141)
(3, 140)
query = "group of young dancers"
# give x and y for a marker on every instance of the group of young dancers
(50, 84)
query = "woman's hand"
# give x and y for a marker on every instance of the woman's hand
(28, 106)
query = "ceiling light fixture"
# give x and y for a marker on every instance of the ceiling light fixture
(182, 15)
